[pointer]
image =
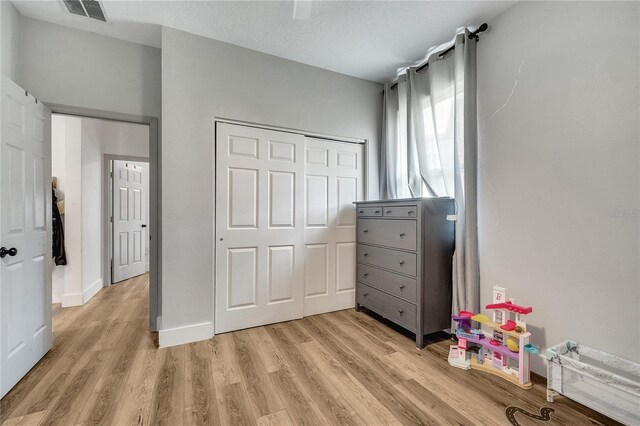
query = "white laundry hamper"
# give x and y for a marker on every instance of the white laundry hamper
(601, 381)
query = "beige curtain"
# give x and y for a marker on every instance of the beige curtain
(440, 141)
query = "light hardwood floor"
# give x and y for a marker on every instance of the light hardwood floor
(338, 368)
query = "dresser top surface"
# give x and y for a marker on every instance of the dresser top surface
(400, 200)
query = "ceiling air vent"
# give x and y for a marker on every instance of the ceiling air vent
(89, 8)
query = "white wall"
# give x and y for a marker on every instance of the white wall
(558, 98)
(71, 67)
(9, 41)
(100, 137)
(202, 79)
(67, 166)
(58, 170)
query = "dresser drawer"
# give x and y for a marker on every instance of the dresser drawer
(397, 310)
(371, 211)
(397, 285)
(398, 261)
(391, 233)
(400, 211)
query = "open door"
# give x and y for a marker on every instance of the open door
(129, 204)
(25, 233)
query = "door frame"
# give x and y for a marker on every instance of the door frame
(107, 200)
(155, 196)
(309, 134)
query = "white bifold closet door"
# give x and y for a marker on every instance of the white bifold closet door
(334, 179)
(259, 227)
(285, 225)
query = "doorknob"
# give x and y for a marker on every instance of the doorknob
(144, 225)
(11, 252)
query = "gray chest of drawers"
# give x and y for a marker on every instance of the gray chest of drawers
(404, 255)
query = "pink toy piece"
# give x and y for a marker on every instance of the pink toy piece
(511, 307)
(509, 326)
(494, 342)
(462, 343)
(466, 314)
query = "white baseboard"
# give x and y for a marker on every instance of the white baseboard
(186, 334)
(79, 299)
(91, 291)
(72, 299)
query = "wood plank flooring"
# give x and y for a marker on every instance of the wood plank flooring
(338, 368)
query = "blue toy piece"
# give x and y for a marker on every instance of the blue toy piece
(532, 349)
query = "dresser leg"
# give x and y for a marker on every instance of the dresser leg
(357, 307)
(419, 341)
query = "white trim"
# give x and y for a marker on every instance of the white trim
(72, 299)
(185, 334)
(79, 299)
(288, 130)
(91, 291)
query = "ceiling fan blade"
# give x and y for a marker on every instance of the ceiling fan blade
(301, 9)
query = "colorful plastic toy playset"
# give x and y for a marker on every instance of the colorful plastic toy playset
(500, 346)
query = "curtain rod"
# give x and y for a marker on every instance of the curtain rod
(474, 35)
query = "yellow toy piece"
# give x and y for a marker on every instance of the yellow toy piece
(512, 345)
(480, 318)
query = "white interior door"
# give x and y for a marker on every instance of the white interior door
(334, 179)
(129, 227)
(25, 233)
(259, 227)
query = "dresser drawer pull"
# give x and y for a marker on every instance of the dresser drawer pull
(402, 287)
(377, 211)
(365, 254)
(366, 294)
(388, 211)
(410, 212)
(365, 274)
(365, 230)
(361, 211)
(401, 311)
(402, 235)
(401, 263)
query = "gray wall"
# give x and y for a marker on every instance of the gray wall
(202, 79)
(558, 95)
(9, 40)
(61, 65)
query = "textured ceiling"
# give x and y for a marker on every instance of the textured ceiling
(366, 39)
